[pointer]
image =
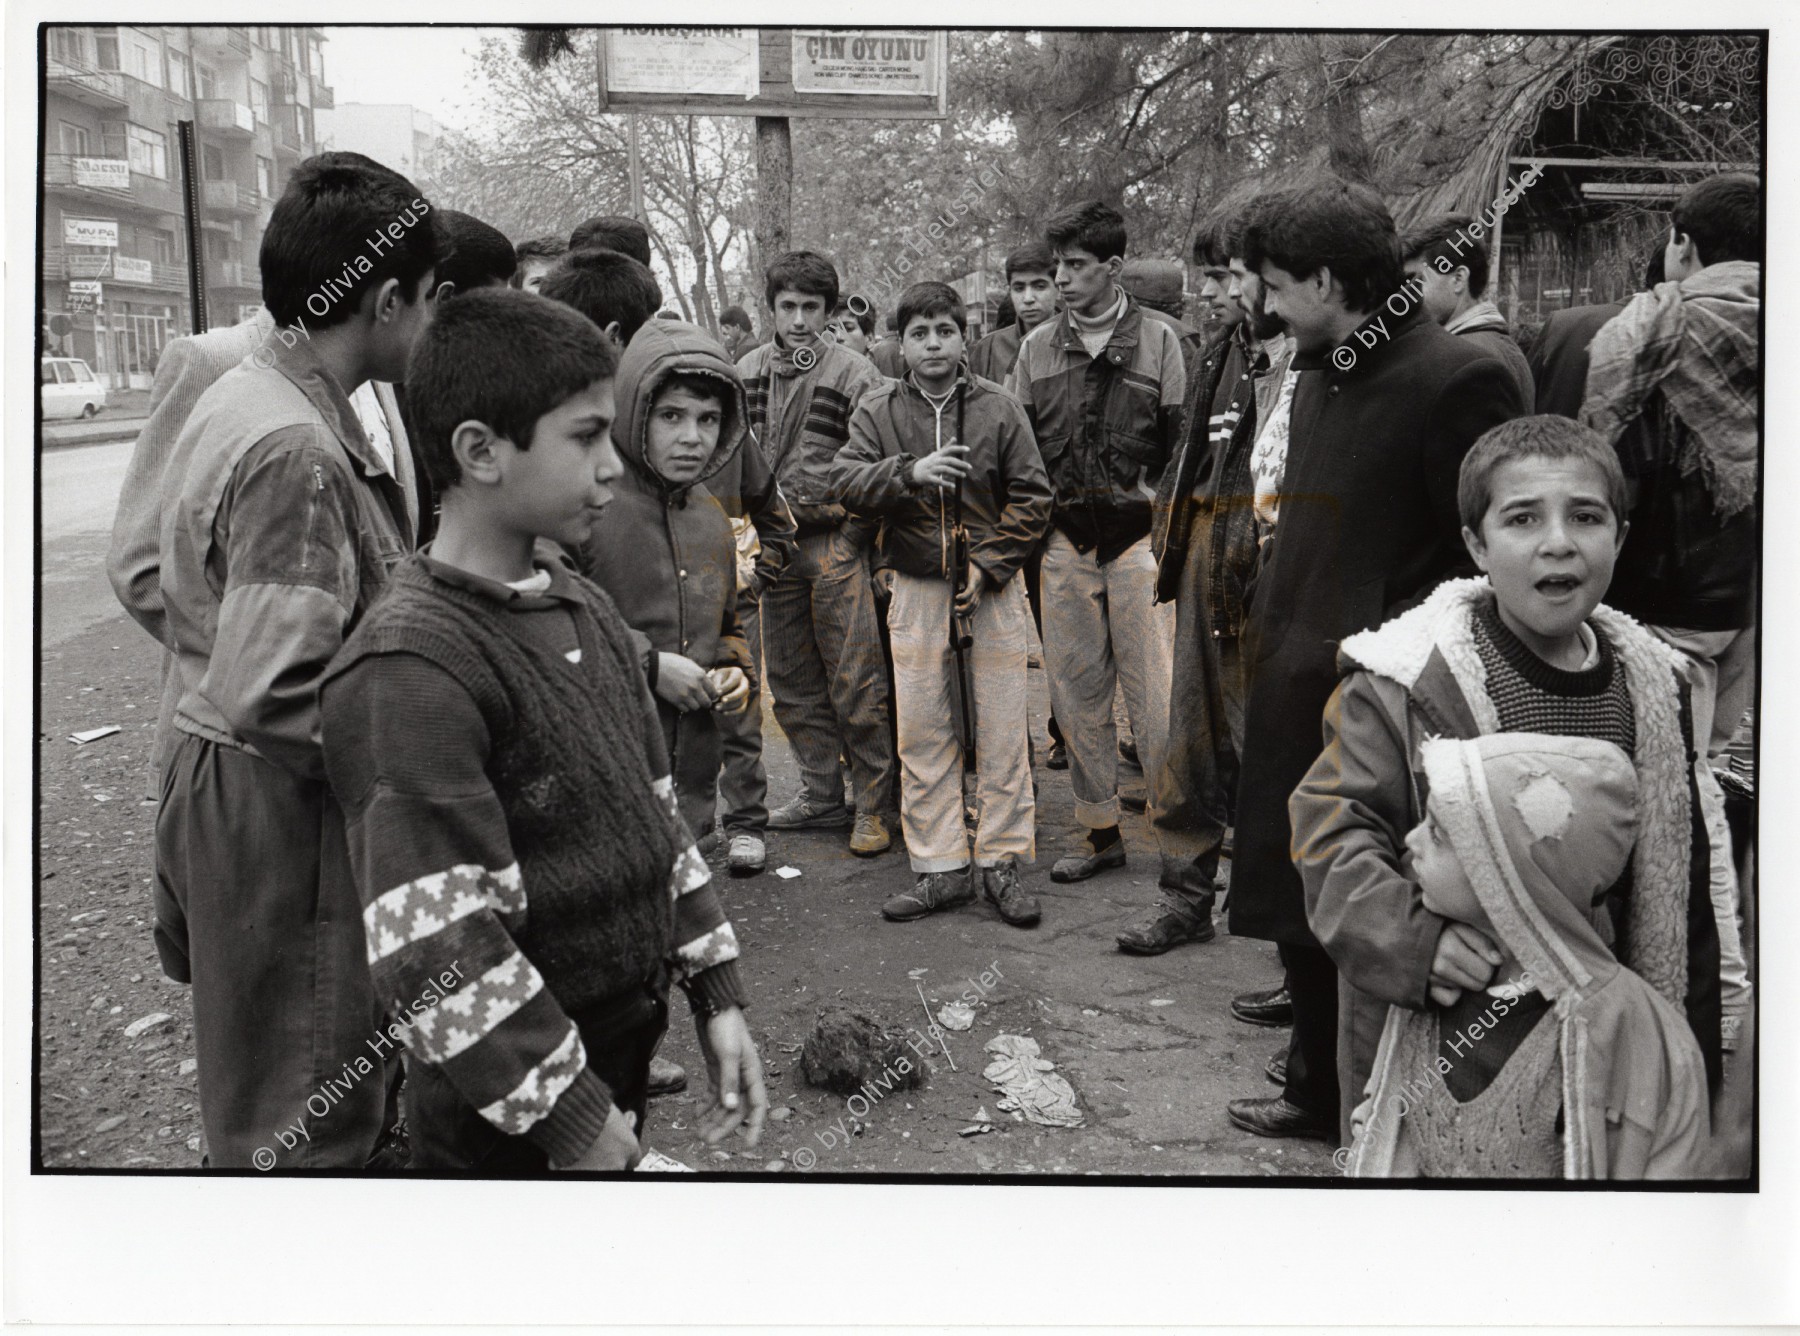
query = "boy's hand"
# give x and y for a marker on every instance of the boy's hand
(616, 1147)
(944, 467)
(682, 682)
(883, 581)
(735, 1070)
(1465, 958)
(732, 688)
(968, 598)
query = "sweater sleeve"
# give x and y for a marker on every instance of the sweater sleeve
(405, 751)
(1350, 817)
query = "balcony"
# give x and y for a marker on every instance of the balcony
(235, 274)
(222, 43)
(284, 130)
(231, 197)
(101, 89)
(227, 119)
(61, 264)
(322, 96)
(94, 178)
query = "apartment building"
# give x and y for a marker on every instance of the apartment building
(115, 271)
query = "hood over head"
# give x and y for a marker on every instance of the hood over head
(1541, 826)
(659, 350)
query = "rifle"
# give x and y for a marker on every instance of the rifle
(962, 630)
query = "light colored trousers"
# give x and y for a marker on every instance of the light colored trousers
(1723, 685)
(1101, 631)
(931, 790)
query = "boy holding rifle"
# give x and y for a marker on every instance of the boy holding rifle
(947, 461)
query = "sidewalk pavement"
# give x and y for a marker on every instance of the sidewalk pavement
(91, 432)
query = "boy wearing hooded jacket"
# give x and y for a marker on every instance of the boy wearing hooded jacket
(1529, 649)
(943, 446)
(668, 554)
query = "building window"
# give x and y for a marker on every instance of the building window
(73, 138)
(147, 150)
(212, 162)
(259, 99)
(209, 80)
(161, 247)
(69, 46)
(265, 178)
(181, 81)
(317, 65)
(106, 48)
(146, 62)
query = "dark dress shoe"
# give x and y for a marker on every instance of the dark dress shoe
(1057, 758)
(1276, 1069)
(1277, 1118)
(1272, 1006)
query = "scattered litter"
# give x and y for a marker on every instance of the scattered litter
(110, 1123)
(775, 1167)
(146, 1023)
(91, 914)
(1089, 1011)
(787, 873)
(194, 1142)
(1162, 1001)
(919, 973)
(981, 1114)
(188, 1067)
(1030, 1082)
(788, 1048)
(956, 1015)
(93, 735)
(976, 1129)
(782, 1114)
(655, 1162)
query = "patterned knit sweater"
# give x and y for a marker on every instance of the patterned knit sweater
(1537, 697)
(513, 836)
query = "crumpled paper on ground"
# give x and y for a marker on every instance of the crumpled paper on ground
(1030, 1082)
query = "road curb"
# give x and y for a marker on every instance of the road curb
(90, 433)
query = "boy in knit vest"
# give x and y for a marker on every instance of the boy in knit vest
(940, 447)
(1529, 649)
(529, 887)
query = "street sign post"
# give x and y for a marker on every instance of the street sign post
(775, 74)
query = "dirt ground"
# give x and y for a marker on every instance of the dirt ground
(1148, 1044)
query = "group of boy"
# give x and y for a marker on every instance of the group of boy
(408, 747)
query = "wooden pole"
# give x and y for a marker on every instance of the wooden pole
(637, 169)
(774, 187)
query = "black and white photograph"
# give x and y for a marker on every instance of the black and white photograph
(994, 648)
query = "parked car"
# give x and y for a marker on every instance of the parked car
(69, 389)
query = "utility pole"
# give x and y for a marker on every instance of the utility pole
(774, 187)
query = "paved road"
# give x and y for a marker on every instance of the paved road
(79, 489)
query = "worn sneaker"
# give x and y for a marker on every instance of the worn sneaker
(666, 1078)
(1085, 860)
(870, 836)
(1168, 926)
(1000, 888)
(802, 813)
(931, 892)
(746, 856)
